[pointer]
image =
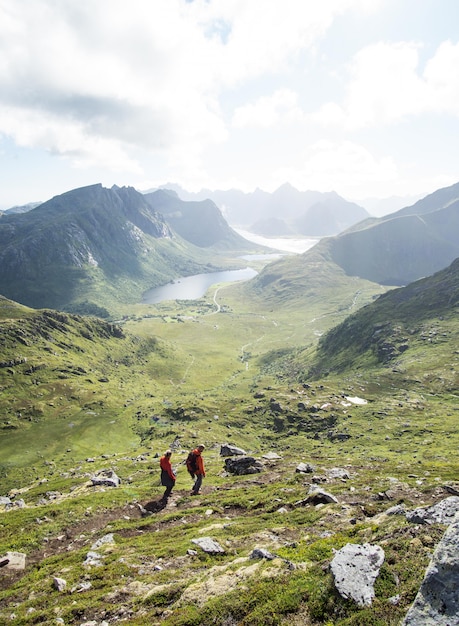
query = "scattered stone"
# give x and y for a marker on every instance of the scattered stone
(243, 465)
(93, 559)
(227, 449)
(318, 496)
(337, 473)
(437, 601)
(261, 553)
(106, 477)
(81, 587)
(103, 540)
(191, 552)
(441, 513)
(355, 568)
(59, 583)
(305, 468)
(398, 509)
(16, 560)
(208, 545)
(272, 456)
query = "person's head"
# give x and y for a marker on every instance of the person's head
(168, 453)
(201, 447)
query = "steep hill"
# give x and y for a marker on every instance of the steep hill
(90, 248)
(395, 324)
(390, 251)
(199, 222)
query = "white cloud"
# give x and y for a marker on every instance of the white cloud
(349, 165)
(268, 111)
(386, 85)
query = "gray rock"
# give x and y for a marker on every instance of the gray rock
(227, 449)
(103, 540)
(16, 560)
(93, 559)
(305, 468)
(59, 583)
(4, 501)
(243, 465)
(441, 513)
(106, 477)
(261, 553)
(271, 456)
(355, 569)
(209, 545)
(338, 473)
(437, 602)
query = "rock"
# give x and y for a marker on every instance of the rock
(318, 496)
(272, 456)
(261, 553)
(338, 473)
(103, 540)
(209, 545)
(437, 602)
(441, 513)
(243, 465)
(305, 468)
(5, 501)
(355, 568)
(106, 477)
(16, 560)
(59, 583)
(227, 449)
(93, 559)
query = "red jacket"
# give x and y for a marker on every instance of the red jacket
(165, 464)
(199, 462)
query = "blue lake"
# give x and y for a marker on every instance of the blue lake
(194, 287)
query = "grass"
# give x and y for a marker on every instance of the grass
(181, 374)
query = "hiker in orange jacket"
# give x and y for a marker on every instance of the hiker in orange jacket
(167, 474)
(198, 469)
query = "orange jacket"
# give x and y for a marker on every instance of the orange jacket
(165, 464)
(199, 462)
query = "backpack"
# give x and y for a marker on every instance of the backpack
(191, 463)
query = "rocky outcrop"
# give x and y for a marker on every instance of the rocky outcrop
(437, 602)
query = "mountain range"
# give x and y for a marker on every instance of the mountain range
(90, 246)
(286, 211)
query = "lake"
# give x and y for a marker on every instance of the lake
(194, 287)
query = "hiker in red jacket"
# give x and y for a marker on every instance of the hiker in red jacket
(167, 474)
(195, 466)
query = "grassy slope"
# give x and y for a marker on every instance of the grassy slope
(211, 378)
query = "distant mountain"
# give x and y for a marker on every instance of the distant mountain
(199, 222)
(21, 208)
(93, 247)
(394, 250)
(306, 213)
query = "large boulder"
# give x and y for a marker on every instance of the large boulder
(355, 568)
(243, 465)
(441, 513)
(227, 449)
(437, 601)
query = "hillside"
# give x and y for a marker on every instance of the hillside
(90, 249)
(390, 251)
(342, 459)
(395, 325)
(199, 222)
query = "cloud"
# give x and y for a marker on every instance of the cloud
(78, 76)
(279, 108)
(348, 164)
(386, 86)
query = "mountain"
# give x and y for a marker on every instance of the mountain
(387, 328)
(390, 251)
(92, 247)
(21, 208)
(306, 213)
(199, 222)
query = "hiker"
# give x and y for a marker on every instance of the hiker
(167, 474)
(195, 467)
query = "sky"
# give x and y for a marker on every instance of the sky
(360, 97)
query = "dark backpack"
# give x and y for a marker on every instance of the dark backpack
(191, 463)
